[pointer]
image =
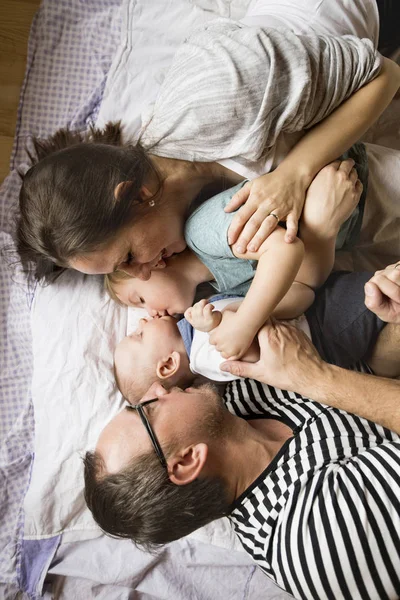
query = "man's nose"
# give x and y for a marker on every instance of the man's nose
(155, 391)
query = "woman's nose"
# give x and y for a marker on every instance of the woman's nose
(142, 272)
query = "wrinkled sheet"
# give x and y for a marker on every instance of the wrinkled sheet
(70, 50)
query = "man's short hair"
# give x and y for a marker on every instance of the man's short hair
(141, 503)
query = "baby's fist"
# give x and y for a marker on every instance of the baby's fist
(202, 316)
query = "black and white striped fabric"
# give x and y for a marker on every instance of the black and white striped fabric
(323, 519)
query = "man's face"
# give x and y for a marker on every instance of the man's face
(180, 416)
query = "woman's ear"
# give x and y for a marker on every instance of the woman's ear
(169, 366)
(187, 465)
(123, 187)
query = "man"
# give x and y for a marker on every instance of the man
(312, 491)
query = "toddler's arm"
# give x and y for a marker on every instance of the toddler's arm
(331, 199)
(277, 268)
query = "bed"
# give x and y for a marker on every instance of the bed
(57, 389)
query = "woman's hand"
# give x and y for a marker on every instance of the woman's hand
(274, 197)
(288, 359)
(331, 198)
(382, 294)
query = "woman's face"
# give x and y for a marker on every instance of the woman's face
(137, 249)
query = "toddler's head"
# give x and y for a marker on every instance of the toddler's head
(154, 352)
(168, 291)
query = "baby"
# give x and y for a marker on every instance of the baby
(172, 352)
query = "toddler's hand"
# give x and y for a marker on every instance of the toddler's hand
(202, 316)
(230, 339)
(331, 198)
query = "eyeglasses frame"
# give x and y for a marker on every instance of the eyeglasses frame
(154, 440)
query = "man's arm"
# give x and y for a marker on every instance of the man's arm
(289, 361)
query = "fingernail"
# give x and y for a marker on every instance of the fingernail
(251, 248)
(224, 367)
(369, 290)
(239, 249)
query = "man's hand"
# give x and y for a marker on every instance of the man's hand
(274, 197)
(202, 316)
(382, 294)
(288, 360)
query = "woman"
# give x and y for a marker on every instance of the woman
(79, 202)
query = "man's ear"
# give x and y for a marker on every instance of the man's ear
(123, 188)
(187, 465)
(169, 366)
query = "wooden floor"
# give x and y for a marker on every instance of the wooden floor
(15, 20)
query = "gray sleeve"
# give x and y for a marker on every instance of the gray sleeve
(206, 234)
(232, 89)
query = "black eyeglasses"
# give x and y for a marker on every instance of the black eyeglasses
(146, 423)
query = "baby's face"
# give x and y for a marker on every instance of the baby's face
(162, 294)
(141, 350)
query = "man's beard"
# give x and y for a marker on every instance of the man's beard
(214, 422)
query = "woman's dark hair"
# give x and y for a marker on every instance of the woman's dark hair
(142, 504)
(67, 202)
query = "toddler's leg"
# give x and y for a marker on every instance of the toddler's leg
(342, 328)
(384, 359)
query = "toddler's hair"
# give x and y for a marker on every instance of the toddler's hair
(112, 278)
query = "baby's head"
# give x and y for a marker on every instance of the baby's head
(169, 291)
(154, 352)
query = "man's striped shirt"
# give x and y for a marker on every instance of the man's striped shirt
(323, 519)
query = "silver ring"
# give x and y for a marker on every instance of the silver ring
(271, 214)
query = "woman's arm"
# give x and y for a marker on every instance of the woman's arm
(283, 191)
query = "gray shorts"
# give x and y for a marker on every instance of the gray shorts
(342, 328)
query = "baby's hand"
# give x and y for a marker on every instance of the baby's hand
(230, 338)
(202, 316)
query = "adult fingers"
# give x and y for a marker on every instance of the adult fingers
(346, 165)
(239, 221)
(353, 175)
(240, 368)
(359, 187)
(260, 219)
(374, 299)
(292, 225)
(239, 198)
(388, 282)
